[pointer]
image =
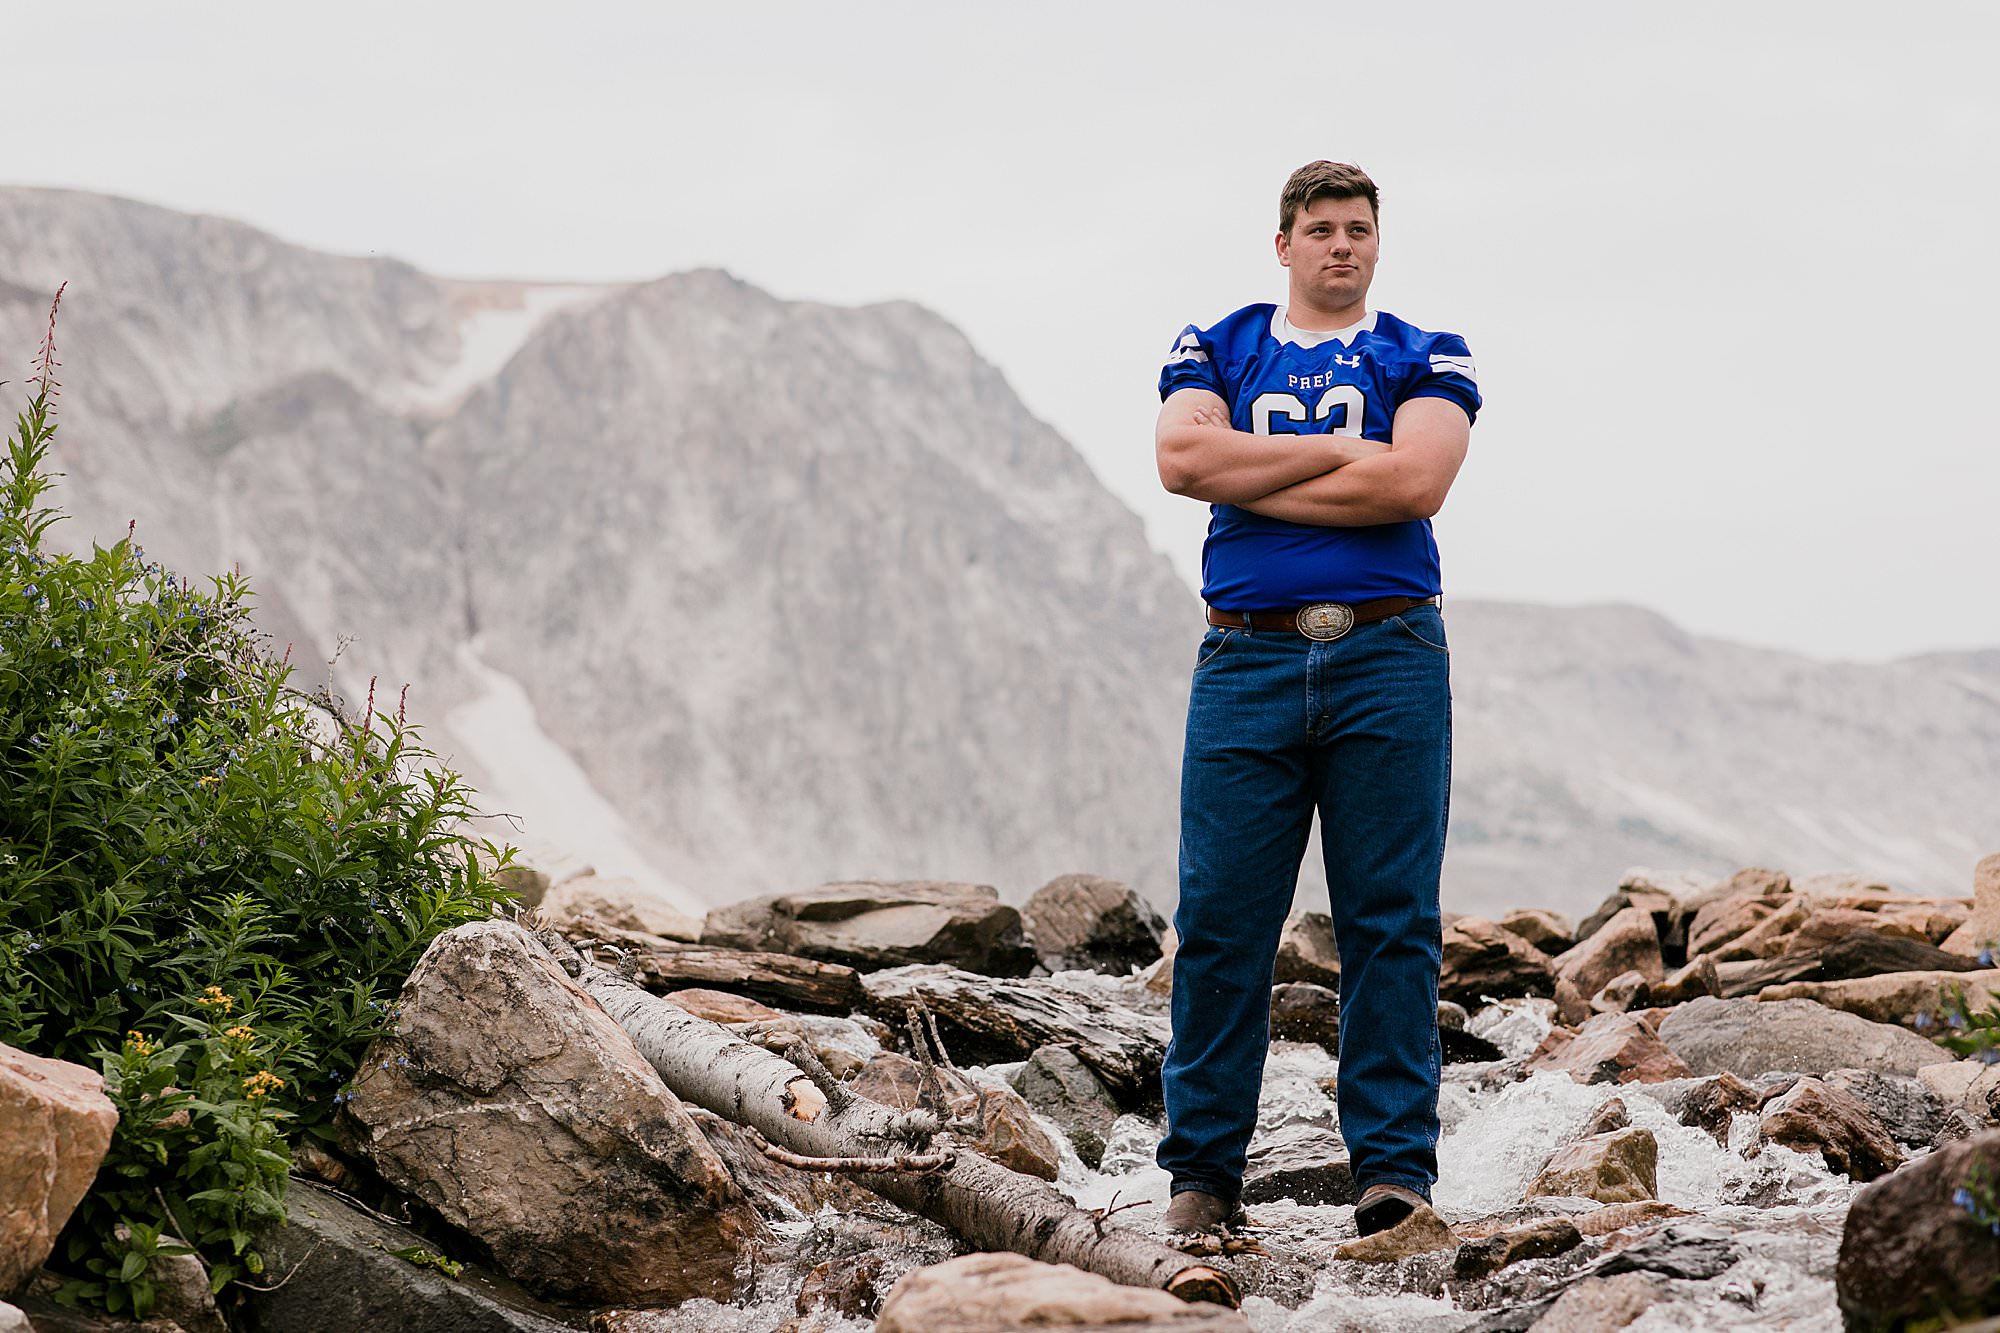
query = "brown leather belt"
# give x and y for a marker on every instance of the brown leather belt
(1323, 621)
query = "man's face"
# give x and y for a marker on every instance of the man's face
(1331, 251)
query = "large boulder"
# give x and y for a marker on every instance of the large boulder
(1000, 1293)
(1749, 1038)
(1628, 942)
(55, 1126)
(1482, 961)
(509, 1103)
(1092, 923)
(1920, 1243)
(1815, 1116)
(871, 924)
(1547, 930)
(347, 1271)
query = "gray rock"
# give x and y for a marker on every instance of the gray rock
(877, 924)
(1092, 923)
(1907, 1109)
(1537, 1240)
(1304, 1163)
(1750, 1037)
(1690, 1250)
(347, 1275)
(1062, 1087)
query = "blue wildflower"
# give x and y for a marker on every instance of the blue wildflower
(84, 603)
(181, 674)
(170, 719)
(1962, 1198)
(1986, 957)
(30, 591)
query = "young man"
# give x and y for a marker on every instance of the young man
(1325, 435)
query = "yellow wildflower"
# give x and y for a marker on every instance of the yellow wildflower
(213, 997)
(137, 1041)
(239, 1032)
(261, 1082)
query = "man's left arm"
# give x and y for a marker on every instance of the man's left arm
(1407, 480)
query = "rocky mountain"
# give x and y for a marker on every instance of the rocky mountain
(738, 595)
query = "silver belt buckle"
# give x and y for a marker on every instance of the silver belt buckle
(1326, 621)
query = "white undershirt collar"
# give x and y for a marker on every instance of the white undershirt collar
(1286, 332)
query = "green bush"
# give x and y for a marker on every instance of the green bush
(212, 885)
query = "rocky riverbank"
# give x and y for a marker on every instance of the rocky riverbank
(1707, 1105)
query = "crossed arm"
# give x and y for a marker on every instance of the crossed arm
(1328, 481)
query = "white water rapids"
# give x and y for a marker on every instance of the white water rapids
(1783, 1211)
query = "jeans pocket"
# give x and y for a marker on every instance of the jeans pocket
(1426, 626)
(1213, 643)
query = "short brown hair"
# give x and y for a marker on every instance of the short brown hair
(1325, 180)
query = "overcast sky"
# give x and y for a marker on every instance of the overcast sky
(1728, 270)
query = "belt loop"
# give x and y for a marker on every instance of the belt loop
(1249, 626)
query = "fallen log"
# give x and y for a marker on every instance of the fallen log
(987, 1019)
(775, 978)
(793, 1102)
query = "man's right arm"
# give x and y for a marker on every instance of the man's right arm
(1223, 466)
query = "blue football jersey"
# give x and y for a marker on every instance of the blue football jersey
(1279, 380)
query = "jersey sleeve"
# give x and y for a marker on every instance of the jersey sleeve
(1191, 365)
(1445, 370)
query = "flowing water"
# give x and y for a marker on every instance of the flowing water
(1782, 1210)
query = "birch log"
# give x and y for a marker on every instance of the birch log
(982, 1202)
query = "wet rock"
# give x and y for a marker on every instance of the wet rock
(1551, 932)
(1305, 1163)
(1007, 1133)
(1696, 979)
(1482, 961)
(1900, 997)
(1596, 1304)
(1911, 1248)
(511, 1105)
(1307, 952)
(1712, 1105)
(620, 903)
(1462, 1047)
(1627, 942)
(1722, 923)
(55, 1126)
(1749, 1037)
(345, 1272)
(870, 924)
(1814, 1116)
(848, 1287)
(1610, 1048)
(1422, 1232)
(1624, 992)
(985, 1020)
(1619, 1167)
(1611, 1115)
(1538, 1240)
(1092, 923)
(1619, 1216)
(1572, 1005)
(1865, 954)
(1062, 1087)
(997, 1293)
(1301, 1011)
(1692, 1251)
(1903, 1105)
(1983, 926)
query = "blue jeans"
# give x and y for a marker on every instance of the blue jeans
(1279, 726)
